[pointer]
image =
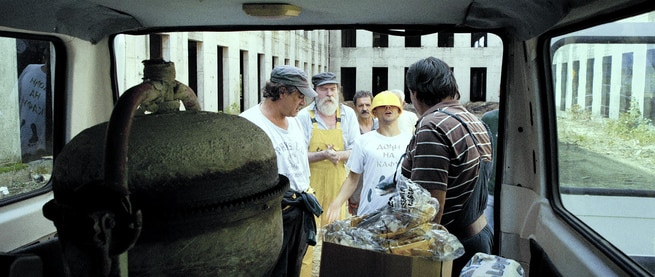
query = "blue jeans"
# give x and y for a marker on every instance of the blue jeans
(481, 242)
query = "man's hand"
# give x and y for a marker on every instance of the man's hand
(333, 213)
(332, 155)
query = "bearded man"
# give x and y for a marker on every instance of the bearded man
(331, 129)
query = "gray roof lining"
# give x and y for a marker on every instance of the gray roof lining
(525, 18)
(94, 20)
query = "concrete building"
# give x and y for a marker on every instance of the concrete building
(375, 62)
(9, 111)
(605, 79)
(227, 70)
(606, 70)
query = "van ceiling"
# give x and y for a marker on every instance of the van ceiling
(94, 20)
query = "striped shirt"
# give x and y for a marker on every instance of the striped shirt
(443, 156)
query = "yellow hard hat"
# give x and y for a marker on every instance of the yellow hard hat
(386, 98)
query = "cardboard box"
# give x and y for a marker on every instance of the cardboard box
(341, 261)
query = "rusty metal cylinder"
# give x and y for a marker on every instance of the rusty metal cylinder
(206, 184)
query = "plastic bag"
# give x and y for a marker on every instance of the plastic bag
(341, 232)
(411, 196)
(403, 227)
(429, 240)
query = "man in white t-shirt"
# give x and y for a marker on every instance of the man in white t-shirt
(284, 95)
(375, 155)
(32, 84)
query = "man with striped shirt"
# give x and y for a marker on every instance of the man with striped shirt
(450, 155)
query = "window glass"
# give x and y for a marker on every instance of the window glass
(604, 81)
(25, 115)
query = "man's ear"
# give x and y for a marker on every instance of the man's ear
(285, 93)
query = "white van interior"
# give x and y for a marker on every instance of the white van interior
(574, 83)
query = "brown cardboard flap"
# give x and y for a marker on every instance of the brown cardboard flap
(338, 260)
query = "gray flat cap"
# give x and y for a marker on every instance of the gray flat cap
(293, 76)
(324, 78)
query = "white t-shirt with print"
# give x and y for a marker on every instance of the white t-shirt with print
(33, 90)
(376, 156)
(289, 145)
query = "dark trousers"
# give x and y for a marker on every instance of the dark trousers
(481, 242)
(294, 244)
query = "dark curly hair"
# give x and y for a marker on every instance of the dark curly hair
(273, 90)
(431, 80)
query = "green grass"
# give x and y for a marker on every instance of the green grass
(12, 167)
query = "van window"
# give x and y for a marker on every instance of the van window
(25, 115)
(604, 84)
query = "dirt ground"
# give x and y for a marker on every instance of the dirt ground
(579, 167)
(598, 161)
(479, 108)
(317, 258)
(602, 161)
(34, 176)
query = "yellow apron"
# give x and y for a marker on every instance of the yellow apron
(326, 177)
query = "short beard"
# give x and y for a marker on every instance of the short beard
(328, 108)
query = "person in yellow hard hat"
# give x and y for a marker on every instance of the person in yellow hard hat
(375, 156)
